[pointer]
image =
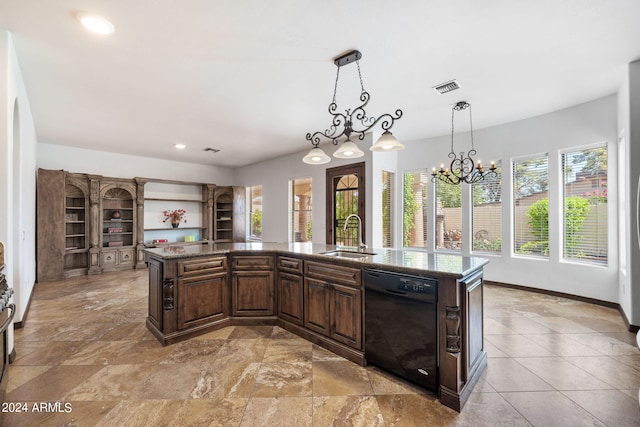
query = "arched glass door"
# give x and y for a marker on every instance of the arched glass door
(345, 196)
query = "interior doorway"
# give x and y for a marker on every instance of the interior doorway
(345, 196)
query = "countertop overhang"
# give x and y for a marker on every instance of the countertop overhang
(404, 261)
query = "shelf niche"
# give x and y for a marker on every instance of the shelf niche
(163, 195)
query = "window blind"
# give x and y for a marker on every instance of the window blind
(387, 209)
(531, 206)
(448, 216)
(585, 199)
(414, 221)
(487, 213)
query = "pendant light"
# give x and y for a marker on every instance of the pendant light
(462, 169)
(342, 124)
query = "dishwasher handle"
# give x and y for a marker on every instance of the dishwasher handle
(399, 293)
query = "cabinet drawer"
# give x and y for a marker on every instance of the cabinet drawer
(126, 256)
(252, 262)
(290, 265)
(202, 266)
(108, 258)
(333, 273)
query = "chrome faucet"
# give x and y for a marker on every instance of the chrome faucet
(361, 246)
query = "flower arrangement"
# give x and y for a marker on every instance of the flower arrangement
(175, 216)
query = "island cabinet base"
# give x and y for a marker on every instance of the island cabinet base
(195, 290)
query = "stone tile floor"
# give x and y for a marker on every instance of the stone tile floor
(552, 362)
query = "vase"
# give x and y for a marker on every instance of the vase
(116, 215)
(175, 224)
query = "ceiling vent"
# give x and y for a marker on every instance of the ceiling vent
(446, 87)
(213, 150)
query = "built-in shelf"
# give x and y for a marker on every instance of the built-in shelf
(163, 195)
(173, 229)
(167, 199)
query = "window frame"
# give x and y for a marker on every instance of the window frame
(426, 232)
(472, 234)
(434, 225)
(513, 223)
(562, 196)
(388, 238)
(293, 210)
(250, 212)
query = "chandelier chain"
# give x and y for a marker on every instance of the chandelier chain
(335, 88)
(453, 111)
(471, 126)
(360, 75)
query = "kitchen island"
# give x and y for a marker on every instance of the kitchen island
(316, 292)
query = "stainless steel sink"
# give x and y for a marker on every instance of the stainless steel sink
(347, 254)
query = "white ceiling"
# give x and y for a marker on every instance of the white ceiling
(252, 77)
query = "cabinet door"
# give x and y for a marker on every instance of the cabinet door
(290, 298)
(316, 305)
(253, 293)
(202, 299)
(346, 315)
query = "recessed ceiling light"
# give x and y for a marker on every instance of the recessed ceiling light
(95, 23)
(180, 146)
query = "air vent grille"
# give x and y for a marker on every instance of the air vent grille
(446, 87)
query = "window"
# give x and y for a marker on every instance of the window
(300, 210)
(487, 214)
(531, 206)
(255, 212)
(585, 205)
(387, 209)
(414, 221)
(448, 216)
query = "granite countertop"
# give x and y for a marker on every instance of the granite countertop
(405, 261)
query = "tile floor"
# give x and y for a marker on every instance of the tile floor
(552, 362)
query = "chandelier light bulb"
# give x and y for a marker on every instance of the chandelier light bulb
(387, 142)
(348, 150)
(316, 157)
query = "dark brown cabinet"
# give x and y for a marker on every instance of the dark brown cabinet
(290, 290)
(333, 302)
(252, 286)
(202, 291)
(203, 299)
(346, 315)
(317, 306)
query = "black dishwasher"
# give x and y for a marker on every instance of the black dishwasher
(401, 327)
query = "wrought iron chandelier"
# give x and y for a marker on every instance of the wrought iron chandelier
(462, 169)
(351, 122)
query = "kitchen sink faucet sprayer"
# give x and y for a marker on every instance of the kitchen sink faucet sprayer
(361, 246)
